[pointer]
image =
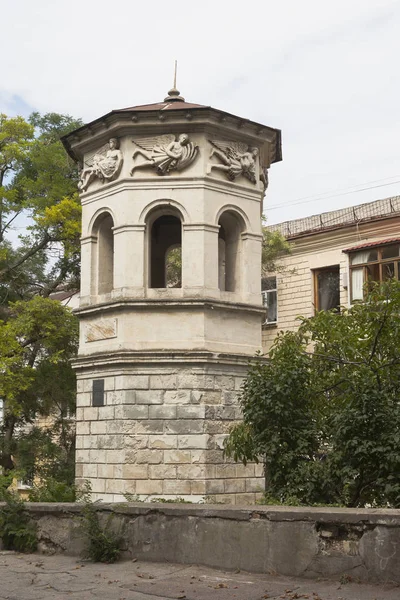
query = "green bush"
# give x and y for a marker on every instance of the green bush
(103, 545)
(323, 414)
(53, 491)
(17, 531)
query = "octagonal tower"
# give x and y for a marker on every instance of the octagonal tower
(170, 307)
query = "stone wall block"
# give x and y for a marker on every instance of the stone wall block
(225, 471)
(213, 427)
(84, 399)
(98, 427)
(198, 442)
(198, 456)
(185, 426)
(191, 472)
(177, 457)
(191, 412)
(135, 471)
(177, 397)
(229, 398)
(195, 381)
(226, 413)
(79, 414)
(89, 471)
(115, 486)
(224, 382)
(163, 442)
(149, 426)
(115, 456)
(130, 397)
(82, 428)
(214, 397)
(151, 457)
(97, 456)
(133, 412)
(149, 486)
(254, 485)
(114, 398)
(245, 471)
(234, 486)
(98, 486)
(105, 471)
(162, 472)
(106, 412)
(198, 487)
(176, 487)
(132, 382)
(90, 414)
(163, 412)
(215, 486)
(164, 382)
(110, 442)
(109, 384)
(216, 442)
(239, 382)
(138, 442)
(82, 456)
(149, 396)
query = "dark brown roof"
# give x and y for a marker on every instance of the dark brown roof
(373, 244)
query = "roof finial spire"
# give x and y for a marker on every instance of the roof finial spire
(174, 93)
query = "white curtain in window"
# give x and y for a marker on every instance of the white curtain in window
(360, 258)
(357, 283)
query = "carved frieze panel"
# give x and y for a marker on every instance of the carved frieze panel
(164, 153)
(236, 158)
(101, 330)
(104, 164)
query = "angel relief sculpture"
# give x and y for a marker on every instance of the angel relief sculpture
(105, 164)
(165, 153)
(236, 158)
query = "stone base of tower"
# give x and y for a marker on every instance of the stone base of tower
(161, 429)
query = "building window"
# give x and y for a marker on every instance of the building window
(373, 264)
(269, 293)
(166, 252)
(327, 288)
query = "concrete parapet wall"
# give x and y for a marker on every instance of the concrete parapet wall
(309, 542)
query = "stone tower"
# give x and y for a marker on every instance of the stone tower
(164, 346)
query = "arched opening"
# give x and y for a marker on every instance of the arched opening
(103, 265)
(165, 252)
(229, 252)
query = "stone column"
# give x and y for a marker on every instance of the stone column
(129, 261)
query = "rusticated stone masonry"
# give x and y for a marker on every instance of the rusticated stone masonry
(160, 434)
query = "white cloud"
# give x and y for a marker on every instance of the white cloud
(325, 73)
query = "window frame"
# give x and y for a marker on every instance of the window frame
(315, 273)
(265, 295)
(380, 262)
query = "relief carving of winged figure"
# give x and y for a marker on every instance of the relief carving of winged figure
(165, 153)
(105, 164)
(236, 158)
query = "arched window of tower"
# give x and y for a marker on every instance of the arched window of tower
(165, 252)
(230, 251)
(103, 255)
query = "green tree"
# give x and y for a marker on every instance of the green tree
(37, 343)
(38, 337)
(38, 181)
(323, 413)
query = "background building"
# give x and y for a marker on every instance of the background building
(333, 255)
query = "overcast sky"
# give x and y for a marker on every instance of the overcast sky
(325, 73)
